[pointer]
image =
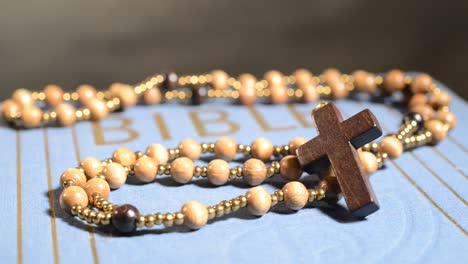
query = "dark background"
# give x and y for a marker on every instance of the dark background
(99, 42)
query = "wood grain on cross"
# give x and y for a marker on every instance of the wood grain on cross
(336, 145)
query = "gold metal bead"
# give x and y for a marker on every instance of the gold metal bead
(279, 194)
(219, 210)
(312, 195)
(107, 218)
(92, 216)
(320, 194)
(227, 206)
(270, 171)
(68, 183)
(235, 204)
(243, 201)
(168, 220)
(211, 212)
(140, 221)
(159, 218)
(179, 218)
(99, 217)
(149, 220)
(274, 200)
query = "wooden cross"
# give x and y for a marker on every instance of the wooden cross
(336, 145)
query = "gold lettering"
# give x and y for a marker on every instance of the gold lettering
(222, 117)
(301, 116)
(162, 127)
(99, 131)
(263, 123)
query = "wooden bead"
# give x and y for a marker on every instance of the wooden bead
(146, 169)
(425, 110)
(258, 201)
(9, 108)
(190, 148)
(339, 89)
(331, 75)
(368, 161)
(278, 94)
(303, 78)
(182, 169)
(97, 186)
(296, 143)
(124, 156)
(295, 195)
(73, 196)
(86, 93)
(92, 167)
(447, 118)
(437, 130)
(440, 99)
(262, 149)
(220, 79)
(115, 175)
(364, 81)
(125, 93)
(247, 90)
(394, 81)
(421, 83)
(158, 152)
(218, 172)
(309, 93)
(255, 171)
(23, 97)
(66, 114)
(274, 78)
(54, 95)
(75, 175)
(392, 146)
(225, 148)
(416, 100)
(195, 214)
(290, 169)
(152, 96)
(247, 79)
(97, 108)
(31, 116)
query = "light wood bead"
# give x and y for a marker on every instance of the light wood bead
(368, 161)
(295, 195)
(10, 107)
(23, 97)
(394, 81)
(75, 175)
(115, 175)
(339, 89)
(218, 171)
(421, 83)
(290, 169)
(447, 118)
(392, 146)
(220, 79)
(278, 94)
(73, 196)
(195, 214)
(437, 130)
(255, 171)
(125, 93)
(247, 79)
(262, 149)
(182, 170)
(97, 186)
(310, 93)
(258, 201)
(295, 143)
(54, 95)
(440, 99)
(124, 156)
(152, 96)
(66, 114)
(364, 81)
(97, 108)
(158, 152)
(331, 75)
(92, 167)
(247, 90)
(31, 116)
(426, 111)
(274, 78)
(86, 93)
(190, 148)
(417, 99)
(225, 148)
(303, 78)
(146, 169)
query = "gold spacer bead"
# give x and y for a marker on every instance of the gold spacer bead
(168, 220)
(243, 201)
(149, 220)
(107, 218)
(68, 183)
(140, 221)
(159, 218)
(211, 212)
(320, 194)
(219, 210)
(235, 204)
(312, 195)
(279, 194)
(179, 218)
(274, 200)
(270, 171)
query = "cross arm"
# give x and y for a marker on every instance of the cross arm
(362, 128)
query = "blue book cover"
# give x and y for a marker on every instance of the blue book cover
(423, 216)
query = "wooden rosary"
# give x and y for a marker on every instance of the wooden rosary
(342, 154)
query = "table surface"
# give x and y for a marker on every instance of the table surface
(423, 215)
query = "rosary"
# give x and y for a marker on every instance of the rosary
(342, 155)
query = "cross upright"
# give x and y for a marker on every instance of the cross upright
(336, 144)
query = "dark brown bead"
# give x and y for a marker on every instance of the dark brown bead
(171, 80)
(123, 218)
(199, 95)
